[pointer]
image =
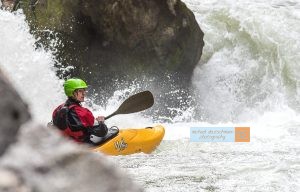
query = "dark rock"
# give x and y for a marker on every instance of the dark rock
(13, 112)
(112, 40)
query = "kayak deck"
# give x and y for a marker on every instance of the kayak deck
(130, 141)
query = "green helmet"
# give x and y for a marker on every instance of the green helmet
(71, 85)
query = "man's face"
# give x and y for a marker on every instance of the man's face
(79, 94)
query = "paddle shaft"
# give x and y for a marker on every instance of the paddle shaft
(111, 115)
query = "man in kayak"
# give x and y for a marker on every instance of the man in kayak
(74, 120)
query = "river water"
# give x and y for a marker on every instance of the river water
(249, 75)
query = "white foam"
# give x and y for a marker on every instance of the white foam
(30, 69)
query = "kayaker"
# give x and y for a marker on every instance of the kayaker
(74, 120)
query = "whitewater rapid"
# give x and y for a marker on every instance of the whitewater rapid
(248, 76)
(250, 61)
(30, 70)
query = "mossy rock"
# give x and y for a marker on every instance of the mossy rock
(120, 39)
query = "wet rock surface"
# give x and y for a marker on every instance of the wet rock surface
(13, 112)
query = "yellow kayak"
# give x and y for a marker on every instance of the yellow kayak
(130, 141)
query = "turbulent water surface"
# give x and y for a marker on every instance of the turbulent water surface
(249, 75)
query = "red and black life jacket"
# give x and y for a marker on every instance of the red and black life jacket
(73, 120)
